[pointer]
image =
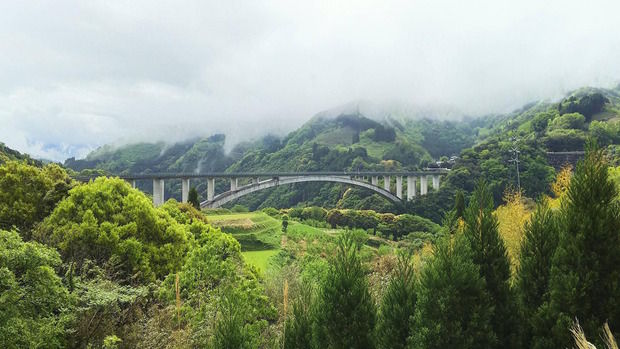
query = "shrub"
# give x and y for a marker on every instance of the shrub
(240, 209)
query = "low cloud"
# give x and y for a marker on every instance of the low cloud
(76, 75)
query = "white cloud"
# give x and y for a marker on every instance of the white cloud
(75, 75)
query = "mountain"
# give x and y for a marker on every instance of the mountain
(7, 154)
(342, 142)
(351, 141)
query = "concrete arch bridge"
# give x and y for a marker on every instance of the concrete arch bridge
(242, 184)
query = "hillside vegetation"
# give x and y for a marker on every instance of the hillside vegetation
(352, 142)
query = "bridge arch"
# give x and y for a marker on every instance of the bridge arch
(229, 196)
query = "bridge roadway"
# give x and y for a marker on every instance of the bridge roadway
(245, 183)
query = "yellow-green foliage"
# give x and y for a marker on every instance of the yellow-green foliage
(29, 193)
(33, 300)
(511, 217)
(116, 226)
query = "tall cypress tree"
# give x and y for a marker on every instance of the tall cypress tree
(193, 198)
(453, 308)
(397, 307)
(347, 317)
(490, 255)
(459, 203)
(585, 273)
(532, 284)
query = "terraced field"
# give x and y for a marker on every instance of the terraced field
(259, 235)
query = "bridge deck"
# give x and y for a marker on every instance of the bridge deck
(264, 174)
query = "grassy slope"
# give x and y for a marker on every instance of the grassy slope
(261, 236)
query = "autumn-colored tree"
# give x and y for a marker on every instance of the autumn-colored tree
(512, 216)
(562, 181)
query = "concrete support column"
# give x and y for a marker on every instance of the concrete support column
(256, 180)
(386, 183)
(436, 182)
(375, 180)
(399, 187)
(184, 190)
(234, 182)
(210, 189)
(158, 192)
(423, 185)
(133, 183)
(411, 186)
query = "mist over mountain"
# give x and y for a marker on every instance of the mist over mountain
(102, 73)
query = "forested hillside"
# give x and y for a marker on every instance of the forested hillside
(345, 142)
(7, 154)
(484, 146)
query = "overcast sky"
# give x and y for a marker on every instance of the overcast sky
(76, 75)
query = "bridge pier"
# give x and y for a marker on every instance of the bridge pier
(423, 185)
(399, 187)
(210, 188)
(375, 181)
(435, 182)
(233, 184)
(411, 186)
(386, 183)
(158, 192)
(184, 190)
(256, 180)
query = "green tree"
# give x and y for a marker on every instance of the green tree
(117, 227)
(586, 266)
(348, 313)
(193, 198)
(397, 307)
(298, 327)
(28, 194)
(34, 304)
(489, 251)
(284, 223)
(453, 308)
(532, 281)
(459, 204)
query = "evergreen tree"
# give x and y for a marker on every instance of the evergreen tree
(298, 327)
(453, 308)
(532, 284)
(193, 198)
(347, 316)
(459, 204)
(397, 307)
(585, 273)
(489, 253)
(284, 223)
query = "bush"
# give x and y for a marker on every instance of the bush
(315, 213)
(568, 121)
(239, 209)
(270, 211)
(565, 140)
(295, 212)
